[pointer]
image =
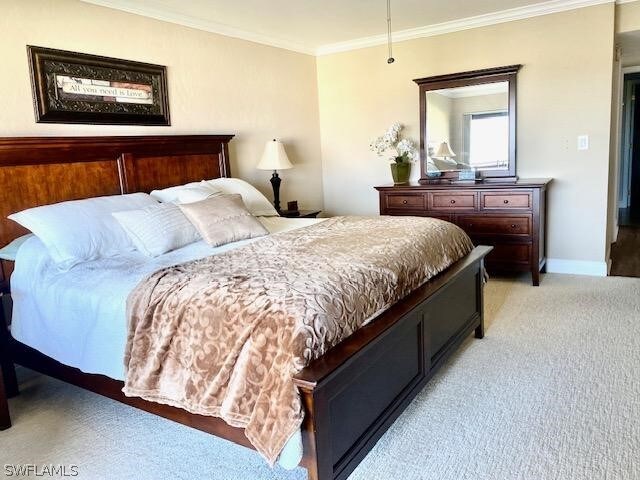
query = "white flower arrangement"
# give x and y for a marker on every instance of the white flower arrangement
(405, 149)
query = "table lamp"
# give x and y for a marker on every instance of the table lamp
(275, 158)
(445, 153)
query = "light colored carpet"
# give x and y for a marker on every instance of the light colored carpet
(552, 392)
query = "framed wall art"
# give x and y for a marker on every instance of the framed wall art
(70, 87)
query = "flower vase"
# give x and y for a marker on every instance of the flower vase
(400, 172)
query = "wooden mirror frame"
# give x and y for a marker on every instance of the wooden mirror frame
(464, 79)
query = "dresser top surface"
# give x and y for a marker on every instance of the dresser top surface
(520, 183)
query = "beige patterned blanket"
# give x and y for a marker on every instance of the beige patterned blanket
(224, 336)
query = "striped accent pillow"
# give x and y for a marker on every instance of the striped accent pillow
(157, 229)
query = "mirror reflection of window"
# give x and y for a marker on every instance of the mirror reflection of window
(486, 140)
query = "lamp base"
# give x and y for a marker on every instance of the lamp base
(275, 183)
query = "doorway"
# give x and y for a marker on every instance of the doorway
(625, 253)
(629, 188)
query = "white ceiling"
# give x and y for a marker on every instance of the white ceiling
(324, 26)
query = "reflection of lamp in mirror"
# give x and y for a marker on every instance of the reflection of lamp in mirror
(444, 156)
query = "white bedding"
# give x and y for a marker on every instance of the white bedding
(78, 317)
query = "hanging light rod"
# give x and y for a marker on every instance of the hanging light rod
(390, 59)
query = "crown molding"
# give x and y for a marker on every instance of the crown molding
(138, 8)
(545, 8)
(502, 16)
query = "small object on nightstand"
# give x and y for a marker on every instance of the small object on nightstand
(300, 213)
(292, 206)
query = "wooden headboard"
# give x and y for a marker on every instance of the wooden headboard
(41, 170)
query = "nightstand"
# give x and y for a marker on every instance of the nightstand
(300, 213)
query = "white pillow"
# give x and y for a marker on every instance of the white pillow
(9, 252)
(197, 193)
(157, 229)
(82, 230)
(256, 202)
(172, 194)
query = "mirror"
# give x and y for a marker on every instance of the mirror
(468, 127)
(467, 124)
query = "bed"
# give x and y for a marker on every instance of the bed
(350, 395)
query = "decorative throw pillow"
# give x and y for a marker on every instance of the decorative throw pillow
(223, 219)
(158, 229)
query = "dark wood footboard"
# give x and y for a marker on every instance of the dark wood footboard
(354, 392)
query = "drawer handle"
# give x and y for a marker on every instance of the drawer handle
(506, 201)
(452, 202)
(404, 202)
(513, 225)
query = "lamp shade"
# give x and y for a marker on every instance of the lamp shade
(274, 157)
(444, 151)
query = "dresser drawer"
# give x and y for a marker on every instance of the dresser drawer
(407, 201)
(453, 201)
(509, 253)
(495, 225)
(494, 201)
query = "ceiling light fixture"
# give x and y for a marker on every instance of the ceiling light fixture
(390, 59)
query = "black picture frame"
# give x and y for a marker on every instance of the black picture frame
(72, 87)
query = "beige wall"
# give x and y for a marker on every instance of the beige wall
(628, 30)
(439, 118)
(627, 17)
(630, 59)
(564, 90)
(217, 84)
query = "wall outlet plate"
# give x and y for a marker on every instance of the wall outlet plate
(583, 142)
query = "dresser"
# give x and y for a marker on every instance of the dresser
(511, 217)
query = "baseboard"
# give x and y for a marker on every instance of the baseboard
(577, 267)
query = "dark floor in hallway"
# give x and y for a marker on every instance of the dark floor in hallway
(625, 253)
(628, 217)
